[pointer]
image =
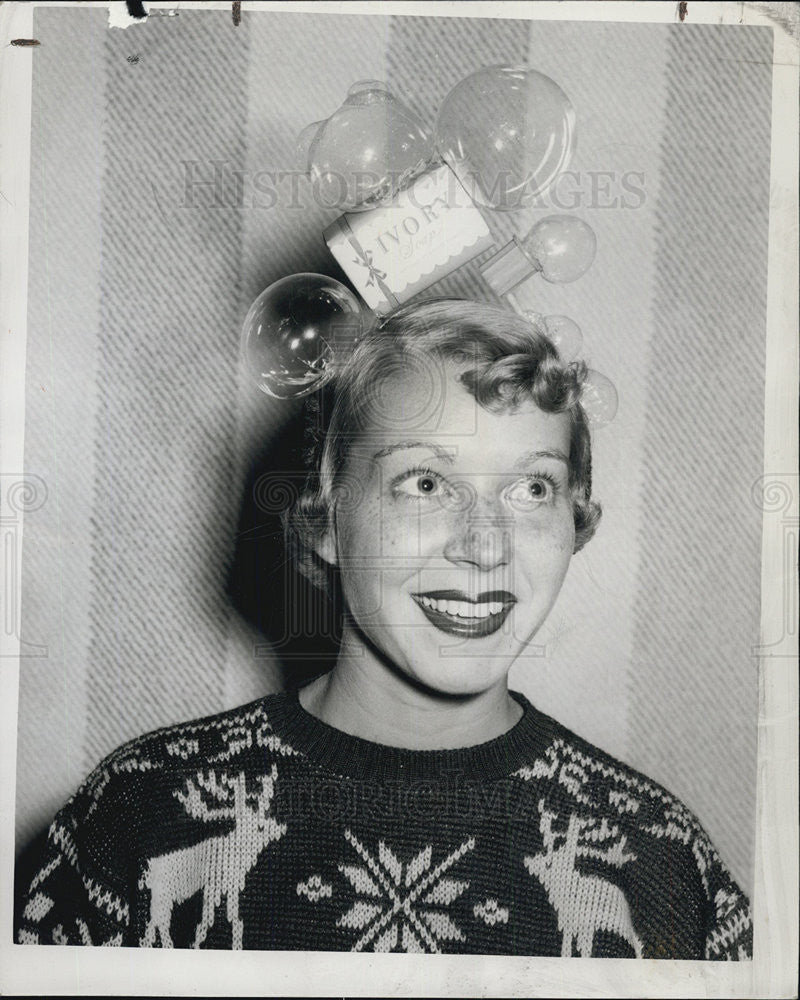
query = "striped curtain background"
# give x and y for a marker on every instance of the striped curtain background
(151, 575)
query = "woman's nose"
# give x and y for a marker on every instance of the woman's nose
(481, 540)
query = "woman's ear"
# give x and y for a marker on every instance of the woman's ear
(325, 545)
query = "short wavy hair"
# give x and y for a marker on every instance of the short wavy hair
(505, 359)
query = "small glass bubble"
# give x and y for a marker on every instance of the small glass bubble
(599, 399)
(566, 336)
(562, 247)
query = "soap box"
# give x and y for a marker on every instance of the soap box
(394, 251)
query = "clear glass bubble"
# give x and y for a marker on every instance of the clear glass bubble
(563, 332)
(561, 246)
(293, 329)
(371, 89)
(536, 319)
(303, 144)
(365, 151)
(507, 132)
(599, 399)
(566, 336)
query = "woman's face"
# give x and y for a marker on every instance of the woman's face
(455, 531)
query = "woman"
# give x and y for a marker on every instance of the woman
(407, 800)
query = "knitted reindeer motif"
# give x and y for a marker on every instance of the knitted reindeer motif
(217, 865)
(584, 904)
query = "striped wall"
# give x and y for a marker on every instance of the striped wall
(145, 574)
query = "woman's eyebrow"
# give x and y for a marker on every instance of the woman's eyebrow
(445, 454)
(532, 456)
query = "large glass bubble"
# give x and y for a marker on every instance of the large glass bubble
(507, 132)
(365, 151)
(293, 329)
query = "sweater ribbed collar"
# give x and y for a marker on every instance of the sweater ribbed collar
(354, 757)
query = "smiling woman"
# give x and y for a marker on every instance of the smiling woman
(407, 800)
(455, 515)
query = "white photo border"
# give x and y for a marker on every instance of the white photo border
(773, 972)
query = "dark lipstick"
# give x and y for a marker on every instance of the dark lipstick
(470, 627)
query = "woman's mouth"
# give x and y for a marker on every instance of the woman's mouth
(459, 614)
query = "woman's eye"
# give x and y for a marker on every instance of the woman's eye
(537, 489)
(528, 493)
(425, 484)
(419, 484)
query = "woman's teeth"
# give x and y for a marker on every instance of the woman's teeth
(463, 609)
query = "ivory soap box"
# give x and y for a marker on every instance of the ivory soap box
(396, 250)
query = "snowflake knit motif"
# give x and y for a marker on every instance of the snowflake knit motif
(402, 904)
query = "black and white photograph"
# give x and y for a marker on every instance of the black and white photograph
(399, 498)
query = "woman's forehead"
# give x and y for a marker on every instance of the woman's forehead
(434, 407)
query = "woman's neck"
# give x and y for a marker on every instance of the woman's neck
(365, 697)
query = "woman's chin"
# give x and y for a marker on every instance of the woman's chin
(440, 669)
(460, 682)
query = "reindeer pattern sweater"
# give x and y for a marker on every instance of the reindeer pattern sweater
(264, 828)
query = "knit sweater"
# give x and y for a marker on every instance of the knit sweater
(264, 828)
